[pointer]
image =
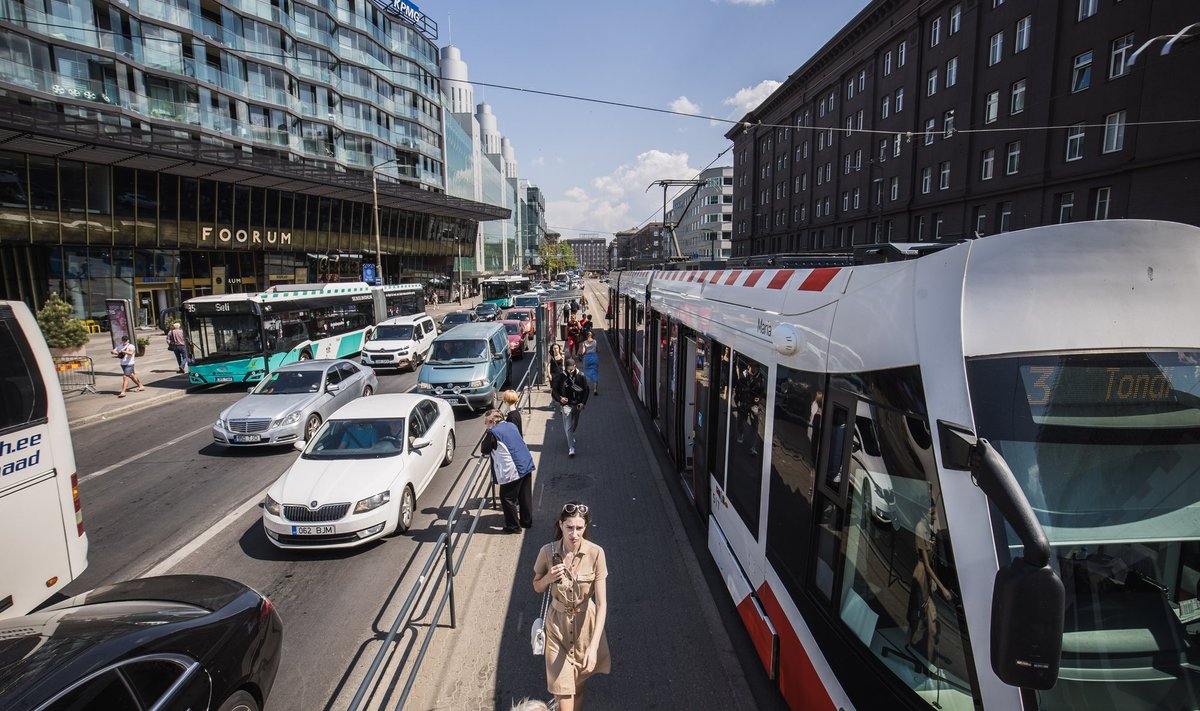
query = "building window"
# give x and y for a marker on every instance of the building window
(926, 180)
(996, 49)
(855, 198)
(887, 105)
(948, 124)
(887, 63)
(846, 164)
(991, 107)
(1081, 73)
(858, 119)
(850, 89)
(1075, 142)
(1103, 196)
(1087, 8)
(937, 225)
(920, 227)
(1066, 207)
(931, 81)
(821, 108)
(935, 32)
(1114, 132)
(900, 55)
(944, 175)
(896, 146)
(894, 189)
(899, 99)
(845, 200)
(930, 129)
(1021, 41)
(951, 72)
(1017, 102)
(862, 80)
(987, 164)
(1118, 61)
(1005, 216)
(980, 221)
(1013, 163)
(956, 18)
(883, 146)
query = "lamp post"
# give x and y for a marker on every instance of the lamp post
(375, 214)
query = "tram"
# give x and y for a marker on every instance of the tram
(965, 480)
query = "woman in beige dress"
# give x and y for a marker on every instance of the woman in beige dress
(574, 570)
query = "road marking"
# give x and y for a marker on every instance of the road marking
(194, 545)
(138, 456)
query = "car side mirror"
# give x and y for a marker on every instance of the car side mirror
(419, 443)
(300, 445)
(333, 387)
(497, 356)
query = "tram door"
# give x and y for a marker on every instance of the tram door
(669, 392)
(697, 419)
(837, 436)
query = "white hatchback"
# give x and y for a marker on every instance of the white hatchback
(400, 342)
(360, 476)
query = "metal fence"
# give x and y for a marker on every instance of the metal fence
(442, 565)
(76, 373)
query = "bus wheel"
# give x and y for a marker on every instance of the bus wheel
(310, 427)
(305, 355)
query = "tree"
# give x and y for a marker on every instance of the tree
(59, 326)
(556, 257)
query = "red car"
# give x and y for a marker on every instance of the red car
(525, 316)
(516, 337)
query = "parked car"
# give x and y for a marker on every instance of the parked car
(456, 318)
(487, 312)
(173, 642)
(468, 366)
(401, 342)
(292, 402)
(526, 317)
(515, 332)
(359, 477)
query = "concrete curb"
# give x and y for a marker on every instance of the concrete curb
(126, 408)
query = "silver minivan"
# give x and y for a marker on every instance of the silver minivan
(468, 366)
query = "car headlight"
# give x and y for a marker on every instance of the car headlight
(478, 383)
(271, 506)
(373, 502)
(289, 420)
(222, 424)
(424, 386)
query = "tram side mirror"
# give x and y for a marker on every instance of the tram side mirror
(1028, 598)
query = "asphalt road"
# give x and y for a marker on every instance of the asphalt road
(158, 496)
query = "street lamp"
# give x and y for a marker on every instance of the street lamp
(375, 214)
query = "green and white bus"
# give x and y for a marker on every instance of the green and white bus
(501, 290)
(239, 338)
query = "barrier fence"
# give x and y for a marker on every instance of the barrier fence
(76, 373)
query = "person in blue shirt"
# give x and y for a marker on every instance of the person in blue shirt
(512, 467)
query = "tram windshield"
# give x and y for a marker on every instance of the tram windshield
(1107, 450)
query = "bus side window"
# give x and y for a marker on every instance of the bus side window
(22, 395)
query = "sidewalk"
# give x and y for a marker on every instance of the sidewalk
(669, 645)
(157, 370)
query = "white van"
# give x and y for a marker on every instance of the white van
(400, 342)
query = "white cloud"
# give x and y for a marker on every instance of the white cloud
(685, 105)
(748, 98)
(619, 200)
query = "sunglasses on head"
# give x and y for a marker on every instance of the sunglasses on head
(575, 508)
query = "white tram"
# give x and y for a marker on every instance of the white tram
(825, 425)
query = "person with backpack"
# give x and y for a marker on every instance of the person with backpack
(570, 390)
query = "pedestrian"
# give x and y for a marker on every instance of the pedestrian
(575, 572)
(583, 300)
(510, 398)
(555, 361)
(435, 297)
(127, 352)
(177, 344)
(573, 333)
(574, 307)
(585, 326)
(591, 360)
(512, 467)
(570, 389)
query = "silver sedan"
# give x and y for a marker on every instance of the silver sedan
(292, 402)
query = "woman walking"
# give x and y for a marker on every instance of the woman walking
(556, 361)
(591, 361)
(573, 332)
(574, 570)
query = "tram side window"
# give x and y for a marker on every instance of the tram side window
(639, 335)
(22, 395)
(794, 445)
(722, 355)
(896, 589)
(743, 482)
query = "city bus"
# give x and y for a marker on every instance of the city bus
(43, 545)
(968, 479)
(239, 338)
(501, 290)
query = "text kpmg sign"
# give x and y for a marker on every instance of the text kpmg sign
(412, 14)
(224, 235)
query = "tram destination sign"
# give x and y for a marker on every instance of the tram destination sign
(410, 13)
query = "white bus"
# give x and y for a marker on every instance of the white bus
(42, 542)
(964, 480)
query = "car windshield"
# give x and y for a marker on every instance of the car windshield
(487, 308)
(392, 332)
(357, 439)
(458, 350)
(517, 315)
(456, 318)
(1106, 448)
(290, 382)
(512, 329)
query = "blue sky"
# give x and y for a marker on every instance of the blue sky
(715, 58)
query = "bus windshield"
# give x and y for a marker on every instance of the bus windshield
(494, 291)
(1107, 450)
(217, 337)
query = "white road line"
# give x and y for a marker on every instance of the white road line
(194, 545)
(138, 456)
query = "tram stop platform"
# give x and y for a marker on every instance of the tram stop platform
(675, 638)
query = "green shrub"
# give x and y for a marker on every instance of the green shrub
(59, 325)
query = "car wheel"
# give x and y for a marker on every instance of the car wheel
(449, 457)
(305, 355)
(310, 426)
(367, 391)
(240, 701)
(408, 507)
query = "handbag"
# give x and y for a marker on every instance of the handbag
(537, 633)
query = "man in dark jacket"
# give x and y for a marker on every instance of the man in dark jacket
(570, 389)
(512, 467)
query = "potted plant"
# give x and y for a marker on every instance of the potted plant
(65, 334)
(142, 342)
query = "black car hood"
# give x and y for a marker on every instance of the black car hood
(206, 591)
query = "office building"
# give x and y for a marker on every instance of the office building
(703, 215)
(591, 253)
